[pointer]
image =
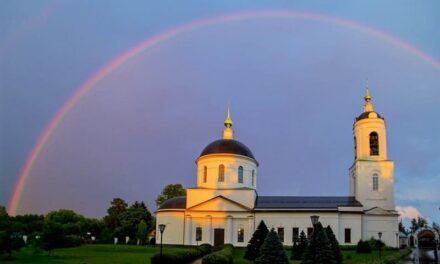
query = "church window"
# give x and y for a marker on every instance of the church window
(221, 173)
(198, 234)
(240, 174)
(355, 148)
(205, 174)
(309, 232)
(281, 233)
(240, 234)
(347, 235)
(295, 234)
(374, 144)
(253, 177)
(375, 182)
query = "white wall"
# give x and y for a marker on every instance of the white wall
(388, 225)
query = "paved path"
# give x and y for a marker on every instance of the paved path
(420, 256)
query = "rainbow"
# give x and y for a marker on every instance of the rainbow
(14, 201)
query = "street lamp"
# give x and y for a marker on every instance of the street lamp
(315, 220)
(380, 246)
(161, 229)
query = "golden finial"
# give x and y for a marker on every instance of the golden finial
(367, 91)
(228, 120)
(368, 107)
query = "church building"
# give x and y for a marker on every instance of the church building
(225, 207)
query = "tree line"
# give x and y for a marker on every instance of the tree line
(123, 224)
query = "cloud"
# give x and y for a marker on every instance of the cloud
(408, 212)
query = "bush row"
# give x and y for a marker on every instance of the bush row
(223, 256)
(182, 256)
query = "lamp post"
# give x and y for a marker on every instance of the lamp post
(435, 251)
(314, 219)
(380, 246)
(161, 229)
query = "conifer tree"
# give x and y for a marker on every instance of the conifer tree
(301, 247)
(334, 245)
(318, 249)
(256, 241)
(272, 251)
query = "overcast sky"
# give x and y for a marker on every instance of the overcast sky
(294, 85)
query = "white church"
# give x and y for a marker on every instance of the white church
(226, 208)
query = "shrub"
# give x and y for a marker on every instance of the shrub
(334, 245)
(272, 251)
(319, 248)
(298, 250)
(205, 249)
(363, 247)
(256, 241)
(215, 259)
(72, 241)
(183, 256)
(223, 256)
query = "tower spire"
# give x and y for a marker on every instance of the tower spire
(368, 106)
(228, 132)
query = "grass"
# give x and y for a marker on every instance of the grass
(121, 254)
(91, 254)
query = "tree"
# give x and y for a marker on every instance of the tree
(436, 227)
(52, 236)
(142, 232)
(170, 191)
(302, 245)
(318, 250)
(10, 238)
(272, 250)
(256, 241)
(334, 245)
(112, 219)
(418, 223)
(402, 228)
(363, 247)
(131, 217)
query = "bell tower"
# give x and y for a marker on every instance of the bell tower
(372, 173)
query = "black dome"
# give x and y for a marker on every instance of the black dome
(366, 115)
(174, 203)
(227, 146)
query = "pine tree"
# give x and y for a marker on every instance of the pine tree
(302, 245)
(256, 241)
(272, 251)
(318, 250)
(334, 245)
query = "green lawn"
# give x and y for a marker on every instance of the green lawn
(92, 254)
(109, 254)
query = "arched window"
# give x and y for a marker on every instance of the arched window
(375, 182)
(221, 173)
(205, 174)
(253, 177)
(240, 234)
(240, 174)
(374, 144)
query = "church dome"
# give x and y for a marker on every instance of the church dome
(368, 108)
(369, 114)
(227, 146)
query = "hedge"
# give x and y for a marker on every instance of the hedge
(223, 256)
(183, 256)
